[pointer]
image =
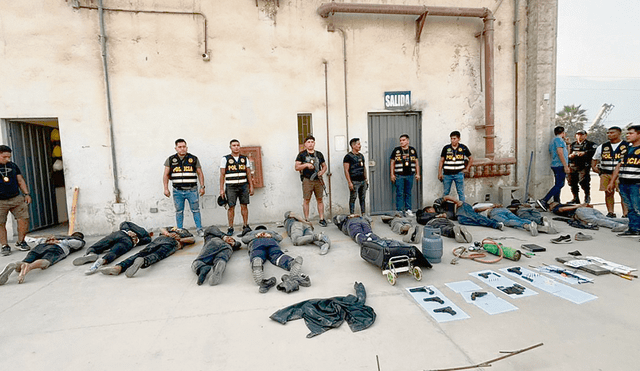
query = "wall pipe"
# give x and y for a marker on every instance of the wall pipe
(326, 105)
(344, 61)
(327, 9)
(105, 67)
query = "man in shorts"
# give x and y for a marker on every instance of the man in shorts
(47, 253)
(11, 183)
(236, 183)
(312, 166)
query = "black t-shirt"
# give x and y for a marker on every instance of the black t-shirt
(9, 187)
(316, 158)
(356, 166)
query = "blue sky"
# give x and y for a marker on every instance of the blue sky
(599, 58)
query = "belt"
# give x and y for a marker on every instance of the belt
(191, 188)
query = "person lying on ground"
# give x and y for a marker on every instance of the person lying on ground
(113, 245)
(526, 211)
(301, 232)
(587, 214)
(464, 213)
(403, 226)
(214, 256)
(505, 216)
(430, 218)
(171, 240)
(45, 254)
(264, 245)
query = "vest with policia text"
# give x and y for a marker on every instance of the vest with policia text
(610, 157)
(405, 160)
(630, 169)
(455, 159)
(235, 172)
(183, 172)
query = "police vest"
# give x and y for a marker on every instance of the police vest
(235, 172)
(405, 161)
(630, 169)
(356, 166)
(183, 172)
(454, 159)
(610, 157)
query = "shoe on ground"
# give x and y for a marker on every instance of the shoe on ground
(629, 233)
(501, 226)
(575, 201)
(611, 215)
(409, 213)
(94, 267)
(230, 231)
(457, 233)
(6, 250)
(84, 259)
(542, 204)
(587, 199)
(200, 232)
(619, 228)
(6, 272)
(265, 285)
(245, 229)
(583, 237)
(532, 228)
(205, 272)
(110, 271)
(410, 232)
(22, 246)
(466, 234)
(256, 271)
(218, 269)
(562, 239)
(416, 236)
(386, 218)
(322, 223)
(324, 249)
(133, 269)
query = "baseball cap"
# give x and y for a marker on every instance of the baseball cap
(581, 132)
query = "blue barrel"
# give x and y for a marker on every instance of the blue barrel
(432, 244)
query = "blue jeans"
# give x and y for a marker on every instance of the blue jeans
(448, 179)
(161, 248)
(508, 218)
(404, 184)
(179, 197)
(115, 244)
(591, 215)
(560, 176)
(630, 194)
(214, 249)
(468, 216)
(530, 214)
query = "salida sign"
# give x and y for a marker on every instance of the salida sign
(397, 100)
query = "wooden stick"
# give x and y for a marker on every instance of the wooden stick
(72, 218)
(488, 363)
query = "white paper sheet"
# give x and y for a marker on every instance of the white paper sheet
(429, 306)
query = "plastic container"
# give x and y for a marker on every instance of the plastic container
(432, 244)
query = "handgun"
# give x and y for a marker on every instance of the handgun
(445, 310)
(434, 298)
(515, 270)
(422, 289)
(477, 294)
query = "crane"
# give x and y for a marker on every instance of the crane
(602, 114)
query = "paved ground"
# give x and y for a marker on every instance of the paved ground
(60, 319)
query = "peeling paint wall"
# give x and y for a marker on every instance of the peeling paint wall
(266, 66)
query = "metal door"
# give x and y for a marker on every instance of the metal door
(384, 133)
(31, 151)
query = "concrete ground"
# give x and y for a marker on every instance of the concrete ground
(60, 319)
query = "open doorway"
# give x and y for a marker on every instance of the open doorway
(36, 150)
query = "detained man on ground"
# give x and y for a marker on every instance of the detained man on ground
(301, 232)
(214, 256)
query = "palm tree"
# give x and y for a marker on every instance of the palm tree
(572, 118)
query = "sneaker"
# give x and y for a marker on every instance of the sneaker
(245, 229)
(303, 280)
(6, 272)
(230, 231)
(22, 246)
(501, 226)
(466, 234)
(410, 232)
(416, 237)
(458, 234)
(532, 228)
(218, 269)
(543, 205)
(200, 232)
(265, 285)
(6, 250)
(562, 239)
(619, 228)
(322, 223)
(629, 233)
(587, 199)
(111, 271)
(296, 267)
(84, 259)
(205, 273)
(575, 201)
(324, 249)
(611, 215)
(409, 213)
(133, 269)
(583, 237)
(94, 267)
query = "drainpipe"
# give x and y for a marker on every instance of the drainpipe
(344, 59)
(327, 9)
(105, 67)
(326, 105)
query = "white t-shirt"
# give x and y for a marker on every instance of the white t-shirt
(223, 162)
(598, 154)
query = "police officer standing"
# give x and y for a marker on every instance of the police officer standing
(185, 171)
(11, 183)
(235, 176)
(580, 154)
(356, 174)
(404, 168)
(607, 156)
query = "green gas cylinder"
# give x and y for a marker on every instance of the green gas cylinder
(508, 252)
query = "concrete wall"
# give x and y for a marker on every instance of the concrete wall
(267, 65)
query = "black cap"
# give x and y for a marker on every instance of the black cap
(261, 227)
(222, 201)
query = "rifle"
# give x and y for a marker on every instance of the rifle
(314, 176)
